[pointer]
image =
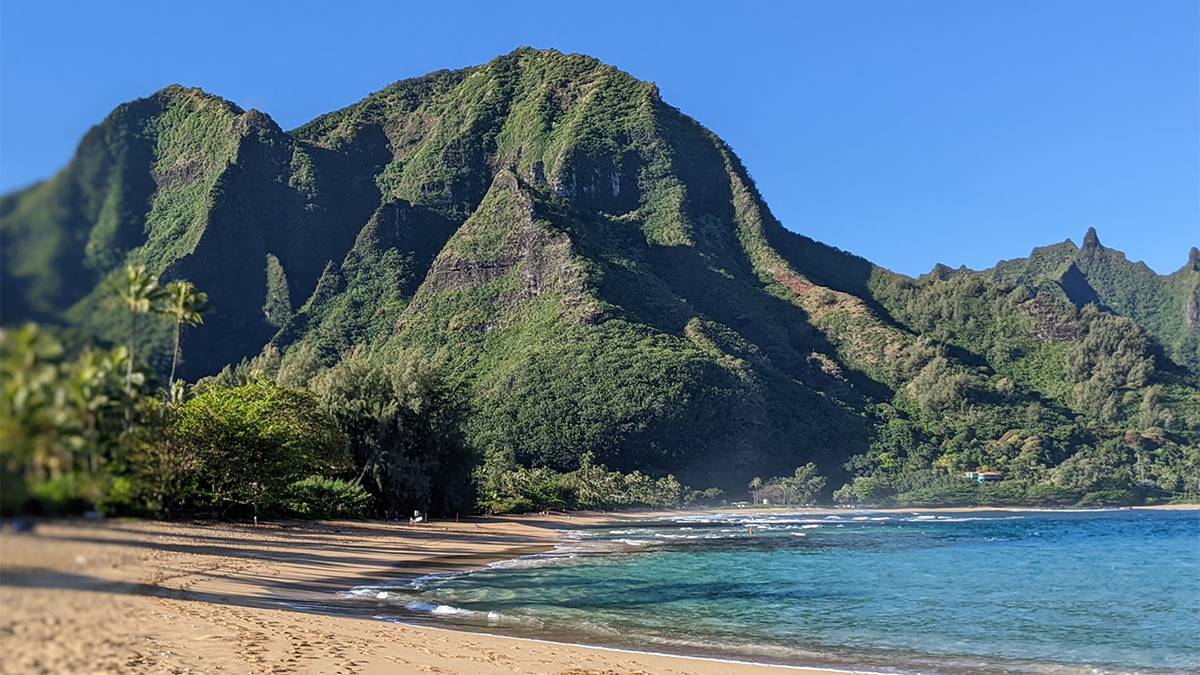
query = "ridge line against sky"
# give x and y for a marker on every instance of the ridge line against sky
(933, 131)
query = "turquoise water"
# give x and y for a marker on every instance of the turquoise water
(1112, 591)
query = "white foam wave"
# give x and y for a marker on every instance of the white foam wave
(436, 609)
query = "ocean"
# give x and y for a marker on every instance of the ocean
(1115, 591)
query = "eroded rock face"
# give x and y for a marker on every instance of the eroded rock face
(506, 244)
(602, 183)
(1051, 323)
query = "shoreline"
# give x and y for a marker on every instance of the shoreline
(831, 510)
(148, 596)
(606, 519)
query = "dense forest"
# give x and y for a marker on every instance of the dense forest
(534, 284)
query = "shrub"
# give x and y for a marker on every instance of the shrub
(1046, 494)
(72, 492)
(321, 497)
(252, 442)
(709, 497)
(950, 493)
(1004, 493)
(1110, 497)
(865, 490)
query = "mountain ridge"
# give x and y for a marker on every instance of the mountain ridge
(597, 272)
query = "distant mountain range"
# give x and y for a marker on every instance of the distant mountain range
(596, 271)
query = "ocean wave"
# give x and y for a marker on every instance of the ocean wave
(436, 609)
(937, 518)
(459, 615)
(385, 590)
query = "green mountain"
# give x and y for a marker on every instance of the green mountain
(595, 271)
(1168, 307)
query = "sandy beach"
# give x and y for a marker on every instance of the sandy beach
(127, 596)
(148, 597)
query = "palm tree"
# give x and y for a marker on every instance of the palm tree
(135, 291)
(756, 484)
(187, 306)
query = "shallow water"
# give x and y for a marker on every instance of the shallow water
(1036, 591)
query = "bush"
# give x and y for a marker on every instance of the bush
(1004, 493)
(73, 492)
(122, 495)
(710, 497)
(254, 441)
(1110, 497)
(504, 505)
(1046, 494)
(865, 490)
(320, 497)
(955, 493)
(548, 492)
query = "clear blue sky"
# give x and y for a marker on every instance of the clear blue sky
(908, 132)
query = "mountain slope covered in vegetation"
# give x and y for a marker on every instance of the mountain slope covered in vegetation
(594, 274)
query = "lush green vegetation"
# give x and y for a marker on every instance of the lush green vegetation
(804, 486)
(473, 286)
(506, 486)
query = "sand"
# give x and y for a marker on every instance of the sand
(147, 597)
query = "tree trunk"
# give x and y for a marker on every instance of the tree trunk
(129, 370)
(174, 358)
(129, 363)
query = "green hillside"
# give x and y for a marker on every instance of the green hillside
(593, 272)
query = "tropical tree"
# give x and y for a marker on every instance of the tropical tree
(756, 484)
(250, 443)
(184, 303)
(135, 290)
(402, 426)
(802, 487)
(58, 420)
(29, 424)
(90, 384)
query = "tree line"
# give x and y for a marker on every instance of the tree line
(96, 430)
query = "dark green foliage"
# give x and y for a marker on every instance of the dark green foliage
(319, 497)
(1164, 306)
(251, 442)
(402, 427)
(804, 486)
(507, 487)
(709, 497)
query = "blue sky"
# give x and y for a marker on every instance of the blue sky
(908, 132)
